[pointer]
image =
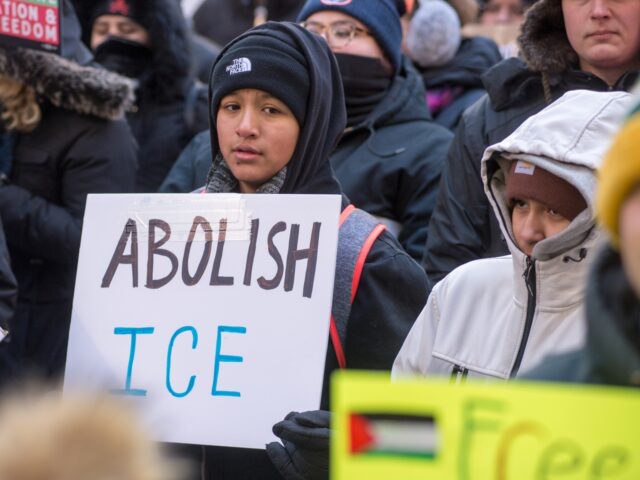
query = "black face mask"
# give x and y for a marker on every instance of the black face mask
(125, 57)
(365, 81)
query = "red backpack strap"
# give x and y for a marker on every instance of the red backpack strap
(358, 232)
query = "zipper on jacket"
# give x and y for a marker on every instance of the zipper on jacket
(530, 281)
(459, 374)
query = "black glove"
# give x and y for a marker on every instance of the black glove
(305, 454)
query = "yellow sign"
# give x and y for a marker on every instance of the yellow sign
(435, 430)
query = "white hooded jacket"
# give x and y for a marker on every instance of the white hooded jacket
(500, 316)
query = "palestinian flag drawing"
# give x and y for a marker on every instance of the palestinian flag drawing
(393, 435)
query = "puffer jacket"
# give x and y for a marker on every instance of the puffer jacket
(498, 317)
(389, 165)
(463, 226)
(81, 145)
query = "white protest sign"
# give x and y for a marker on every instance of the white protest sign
(209, 311)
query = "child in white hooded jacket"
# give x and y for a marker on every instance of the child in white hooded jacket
(498, 317)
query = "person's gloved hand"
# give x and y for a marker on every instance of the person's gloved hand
(305, 454)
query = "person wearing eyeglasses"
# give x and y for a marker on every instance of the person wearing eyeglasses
(391, 153)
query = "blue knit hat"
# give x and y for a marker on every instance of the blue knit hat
(381, 17)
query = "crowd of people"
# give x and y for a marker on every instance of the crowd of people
(493, 197)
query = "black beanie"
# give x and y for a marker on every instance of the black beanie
(264, 63)
(125, 8)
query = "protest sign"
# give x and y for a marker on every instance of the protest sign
(422, 429)
(211, 312)
(30, 23)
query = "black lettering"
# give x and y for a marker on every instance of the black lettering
(206, 227)
(216, 279)
(154, 249)
(275, 254)
(251, 255)
(295, 254)
(119, 257)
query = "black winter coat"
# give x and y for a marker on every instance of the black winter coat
(390, 164)
(189, 172)
(66, 157)
(463, 226)
(162, 130)
(475, 56)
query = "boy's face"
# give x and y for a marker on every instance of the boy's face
(257, 134)
(532, 222)
(630, 239)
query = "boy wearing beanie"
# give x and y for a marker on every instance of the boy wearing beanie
(389, 159)
(611, 354)
(276, 113)
(498, 317)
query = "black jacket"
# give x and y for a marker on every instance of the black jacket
(475, 56)
(390, 164)
(189, 172)
(76, 149)
(612, 352)
(392, 289)
(162, 130)
(463, 227)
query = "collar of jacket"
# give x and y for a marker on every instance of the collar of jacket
(561, 280)
(67, 85)
(613, 317)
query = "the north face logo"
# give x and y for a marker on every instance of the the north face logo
(239, 65)
(339, 3)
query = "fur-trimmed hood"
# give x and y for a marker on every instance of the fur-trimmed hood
(543, 42)
(171, 62)
(65, 84)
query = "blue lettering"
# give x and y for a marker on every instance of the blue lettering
(192, 379)
(224, 358)
(132, 352)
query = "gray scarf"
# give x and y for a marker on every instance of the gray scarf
(221, 180)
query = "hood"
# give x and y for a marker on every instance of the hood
(543, 42)
(474, 56)
(65, 84)
(613, 323)
(568, 139)
(170, 66)
(309, 170)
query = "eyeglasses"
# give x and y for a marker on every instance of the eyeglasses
(338, 34)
